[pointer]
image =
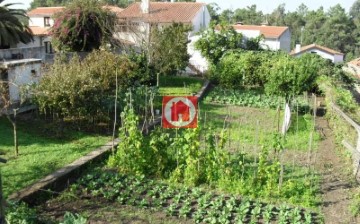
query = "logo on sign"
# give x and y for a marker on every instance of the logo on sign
(179, 112)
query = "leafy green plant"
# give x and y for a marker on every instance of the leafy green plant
(70, 218)
(18, 213)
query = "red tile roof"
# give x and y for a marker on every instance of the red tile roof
(315, 46)
(355, 62)
(113, 9)
(39, 31)
(45, 11)
(163, 12)
(49, 11)
(267, 31)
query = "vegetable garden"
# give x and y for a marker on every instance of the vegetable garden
(235, 167)
(231, 169)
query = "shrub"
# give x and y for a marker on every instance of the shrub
(82, 26)
(81, 88)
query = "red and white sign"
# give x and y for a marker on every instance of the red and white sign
(179, 111)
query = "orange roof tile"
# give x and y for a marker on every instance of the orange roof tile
(45, 11)
(39, 31)
(49, 11)
(163, 12)
(355, 62)
(113, 9)
(315, 46)
(267, 31)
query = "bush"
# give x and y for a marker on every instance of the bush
(82, 26)
(79, 89)
(238, 69)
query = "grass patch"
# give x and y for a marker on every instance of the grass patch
(179, 85)
(40, 152)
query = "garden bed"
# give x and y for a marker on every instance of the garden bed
(102, 188)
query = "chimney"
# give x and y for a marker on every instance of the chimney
(297, 48)
(145, 5)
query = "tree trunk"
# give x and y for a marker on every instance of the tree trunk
(13, 122)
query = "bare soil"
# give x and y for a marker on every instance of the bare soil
(103, 212)
(337, 183)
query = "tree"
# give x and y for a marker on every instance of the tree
(214, 9)
(290, 76)
(355, 10)
(82, 26)
(249, 15)
(12, 30)
(213, 44)
(168, 48)
(276, 18)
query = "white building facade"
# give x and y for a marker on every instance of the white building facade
(275, 37)
(324, 52)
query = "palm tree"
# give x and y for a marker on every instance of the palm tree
(12, 30)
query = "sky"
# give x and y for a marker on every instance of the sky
(266, 6)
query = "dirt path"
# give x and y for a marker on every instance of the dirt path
(336, 186)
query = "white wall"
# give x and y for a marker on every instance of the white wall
(201, 20)
(196, 59)
(21, 75)
(323, 54)
(338, 58)
(37, 42)
(269, 43)
(39, 21)
(285, 41)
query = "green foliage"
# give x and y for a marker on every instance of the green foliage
(131, 155)
(82, 26)
(168, 51)
(214, 43)
(12, 29)
(333, 28)
(198, 204)
(70, 218)
(241, 68)
(355, 204)
(79, 89)
(20, 213)
(279, 73)
(292, 76)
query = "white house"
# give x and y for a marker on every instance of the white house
(324, 52)
(138, 18)
(40, 21)
(275, 37)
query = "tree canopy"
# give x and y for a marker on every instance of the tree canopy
(83, 26)
(334, 28)
(168, 48)
(12, 30)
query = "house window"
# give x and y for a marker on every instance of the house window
(33, 73)
(46, 21)
(48, 47)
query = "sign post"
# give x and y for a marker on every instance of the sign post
(179, 112)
